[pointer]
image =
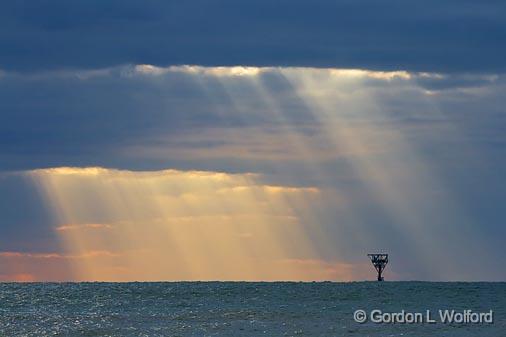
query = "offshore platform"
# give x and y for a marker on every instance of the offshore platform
(379, 261)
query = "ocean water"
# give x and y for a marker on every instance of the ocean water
(242, 308)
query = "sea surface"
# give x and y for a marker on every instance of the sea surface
(243, 308)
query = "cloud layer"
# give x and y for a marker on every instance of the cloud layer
(146, 117)
(450, 36)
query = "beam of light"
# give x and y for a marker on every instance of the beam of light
(388, 163)
(182, 225)
(350, 118)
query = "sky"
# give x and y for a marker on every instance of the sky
(252, 140)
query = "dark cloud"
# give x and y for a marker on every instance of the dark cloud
(450, 36)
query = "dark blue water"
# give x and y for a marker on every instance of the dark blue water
(241, 309)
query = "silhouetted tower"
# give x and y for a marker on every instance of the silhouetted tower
(379, 261)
